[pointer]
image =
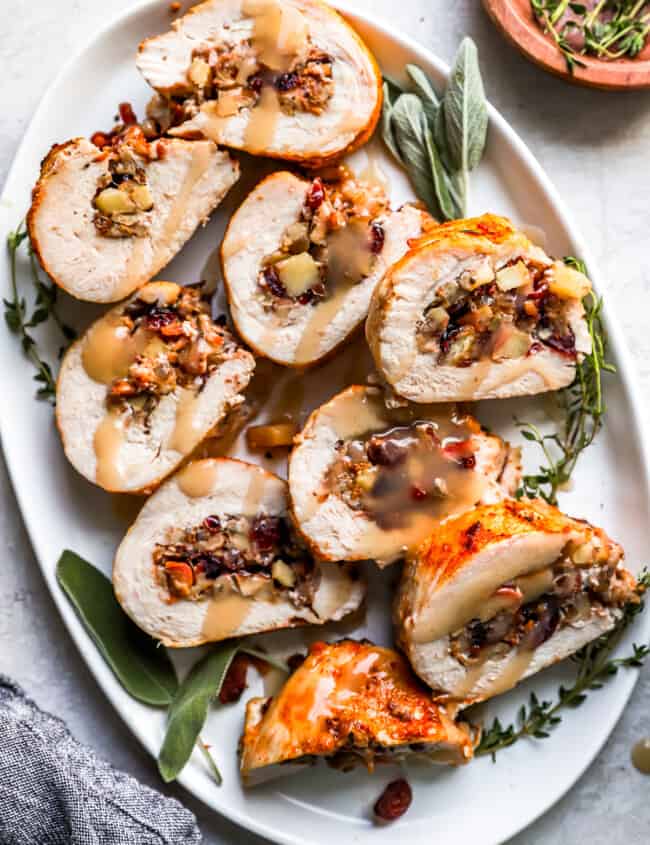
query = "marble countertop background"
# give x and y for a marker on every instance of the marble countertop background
(593, 145)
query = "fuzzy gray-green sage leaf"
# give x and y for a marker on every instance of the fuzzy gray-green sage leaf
(140, 664)
(189, 709)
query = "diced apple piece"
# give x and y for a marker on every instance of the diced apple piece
(366, 478)
(509, 342)
(436, 319)
(283, 574)
(515, 276)
(141, 196)
(271, 436)
(113, 201)
(298, 273)
(567, 282)
(199, 73)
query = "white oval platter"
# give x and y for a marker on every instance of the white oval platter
(485, 802)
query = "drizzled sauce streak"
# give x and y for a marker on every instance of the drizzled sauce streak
(186, 432)
(198, 478)
(108, 442)
(110, 349)
(348, 262)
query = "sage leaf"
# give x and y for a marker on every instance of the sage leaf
(445, 201)
(430, 102)
(189, 709)
(139, 663)
(409, 124)
(386, 126)
(465, 110)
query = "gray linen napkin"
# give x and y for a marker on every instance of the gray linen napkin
(55, 791)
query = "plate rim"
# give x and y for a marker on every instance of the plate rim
(627, 375)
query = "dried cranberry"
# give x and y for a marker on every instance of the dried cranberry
(255, 83)
(565, 344)
(535, 348)
(235, 681)
(306, 297)
(100, 139)
(212, 524)
(447, 336)
(127, 115)
(287, 81)
(265, 532)
(540, 291)
(545, 617)
(394, 801)
(377, 237)
(315, 195)
(385, 452)
(418, 493)
(209, 565)
(462, 452)
(159, 317)
(273, 283)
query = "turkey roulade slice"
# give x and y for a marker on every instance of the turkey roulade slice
(476, 311)
(213, 555)
(301, 258)
(503, 591)
(368, 482)
(104, 221)
(145, 385)
(350, 703)
(282, 78)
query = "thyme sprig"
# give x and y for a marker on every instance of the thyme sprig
(583, 407)
(594, 668)
(609, 30)
(20, 321)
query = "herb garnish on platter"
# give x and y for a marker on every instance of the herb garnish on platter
(20, 322)
(583, 406)
(595, 667)
(605, 29)
(439, 141)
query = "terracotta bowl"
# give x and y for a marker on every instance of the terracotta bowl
(514, 18)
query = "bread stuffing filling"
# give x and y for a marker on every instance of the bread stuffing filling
(335, 242)
(178, 345)
(123, 202)
(512, 312)
(406, 469)
(232, 76)
(188, 565)
(524, 613)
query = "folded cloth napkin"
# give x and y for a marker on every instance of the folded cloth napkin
(55, 791)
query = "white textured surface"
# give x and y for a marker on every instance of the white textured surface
(593, 145)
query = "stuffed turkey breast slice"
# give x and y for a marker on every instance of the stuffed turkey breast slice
(350, 703)
(476, 311)
(213, 555)
(301, 258)
(145, 385)
(369, 482)
(503, 591)
(282, 78)
(104, 221)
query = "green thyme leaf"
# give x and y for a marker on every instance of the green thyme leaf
(189, 709)
(583, 406)
(140, 664)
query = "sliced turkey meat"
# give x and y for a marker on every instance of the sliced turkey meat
(104, 221)
(501, 592)
(371, 482)
(350, 703)
(301, 258)
(288, 79)
(476, 311)
(145, 385)
(213, 555)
